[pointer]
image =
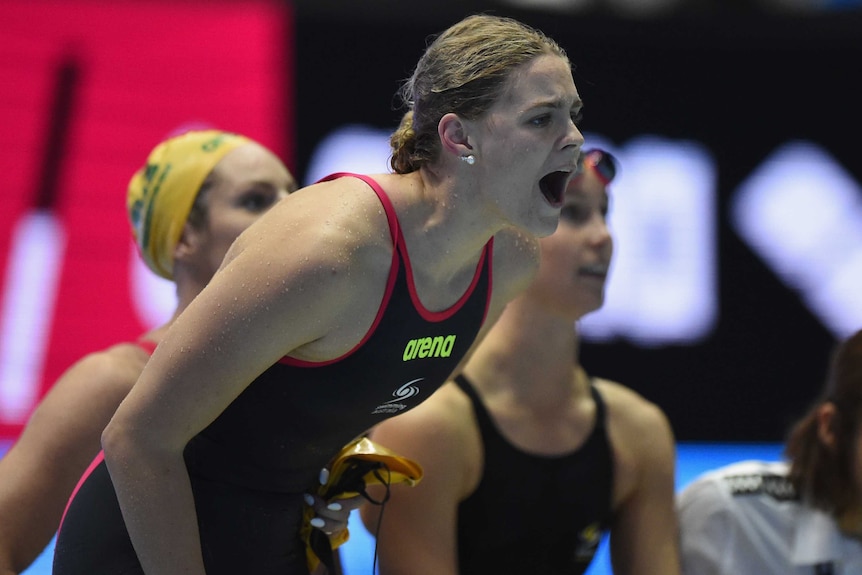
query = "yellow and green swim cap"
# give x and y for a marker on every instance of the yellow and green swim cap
(161, 194)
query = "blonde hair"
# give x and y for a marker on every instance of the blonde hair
(462, 71)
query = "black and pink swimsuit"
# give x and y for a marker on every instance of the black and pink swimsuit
(251, 466)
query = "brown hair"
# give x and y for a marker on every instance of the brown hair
(462, 71)
(825, 475)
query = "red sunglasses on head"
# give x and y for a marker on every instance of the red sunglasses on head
(603, 163)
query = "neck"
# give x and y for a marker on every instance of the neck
(188, 286)
(448, 216)
(527, 330)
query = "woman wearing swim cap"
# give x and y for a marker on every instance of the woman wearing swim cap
(190, 201)
(350, 301)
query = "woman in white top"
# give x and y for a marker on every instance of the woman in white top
(783, 518)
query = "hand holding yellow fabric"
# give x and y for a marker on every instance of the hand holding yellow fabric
(360, 463)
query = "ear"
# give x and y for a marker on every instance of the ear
(188, 244)
(826, 415)
(453, 132)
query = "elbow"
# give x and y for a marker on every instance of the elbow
(126, 444)
(121, 442)
(115, 440)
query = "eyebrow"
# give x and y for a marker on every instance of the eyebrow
(558, 104)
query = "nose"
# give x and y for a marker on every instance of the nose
(600, 233)
(573, 138)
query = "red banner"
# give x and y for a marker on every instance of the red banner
(89, 87)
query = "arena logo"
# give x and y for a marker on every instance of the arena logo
(438, 346)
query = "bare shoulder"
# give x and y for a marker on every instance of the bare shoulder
(116, 368)
(446, 416)
(344, 212)
(320, 259)
(442, 435)
(638, 426)
(629, 407)
(641, 440)
(71, 416)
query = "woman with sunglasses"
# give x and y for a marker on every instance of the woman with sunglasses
(528, 460)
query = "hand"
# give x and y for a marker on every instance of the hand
(331, 516)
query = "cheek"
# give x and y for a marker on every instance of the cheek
(556, 251)
(223, 233)
(569, 242)
(228, 229)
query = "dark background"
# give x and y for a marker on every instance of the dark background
(740, 81)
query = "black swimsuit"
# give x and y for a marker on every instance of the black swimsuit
(532, 513)
(250, 468)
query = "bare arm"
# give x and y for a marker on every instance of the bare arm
(40, 471)
(644, 530)
(284, 288)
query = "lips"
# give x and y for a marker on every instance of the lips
(595, 270)
(553, 187)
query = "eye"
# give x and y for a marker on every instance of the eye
(580, 213)
(542, 120)
(574, 213)
(258, 200)
(577, 116)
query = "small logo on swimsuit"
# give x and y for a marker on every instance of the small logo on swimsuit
(404, 392)
(588, 543)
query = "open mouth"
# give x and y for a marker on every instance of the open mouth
(553, 187)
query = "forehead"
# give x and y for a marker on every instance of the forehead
(587, 186)
(544, 80)
(251, 162)
(250, 155)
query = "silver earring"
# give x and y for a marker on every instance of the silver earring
(470, 159)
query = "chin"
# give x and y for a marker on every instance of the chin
(543, 226)
(589, 302)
